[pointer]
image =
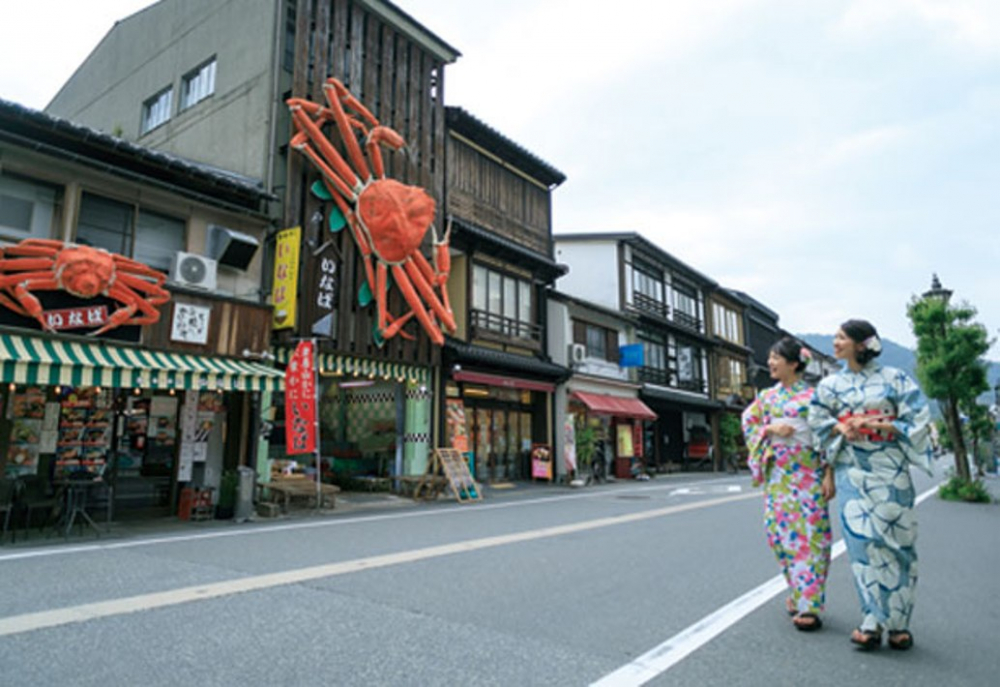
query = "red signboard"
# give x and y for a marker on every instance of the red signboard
(76, 318)
(300, 401)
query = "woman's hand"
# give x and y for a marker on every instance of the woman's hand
(780, 429)
(827, 487)
(848, 429)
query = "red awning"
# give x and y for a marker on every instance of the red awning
(506, 382)
(615, 406)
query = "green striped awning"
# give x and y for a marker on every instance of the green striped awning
(37, 360)
(333, 364)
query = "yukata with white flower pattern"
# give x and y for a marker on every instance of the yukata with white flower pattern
(796, 516)
(874, 488)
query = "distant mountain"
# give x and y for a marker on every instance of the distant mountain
(904, 358)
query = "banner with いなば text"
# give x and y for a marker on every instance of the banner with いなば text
(284, 295)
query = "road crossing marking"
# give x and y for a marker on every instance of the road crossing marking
(662, 658)
(30, 622)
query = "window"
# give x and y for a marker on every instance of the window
(502, 303)
(686, 305)
(654, 353)
(149, 237)
(198, 84)
(156, 110)
(647, 282)
(157, 239)
(688, 365)
(725, 323)
(601, 342)
(26, 209)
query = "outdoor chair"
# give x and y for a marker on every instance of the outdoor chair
(8, 492)
(34, 497)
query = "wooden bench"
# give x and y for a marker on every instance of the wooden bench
(284, 490)
(422, 487)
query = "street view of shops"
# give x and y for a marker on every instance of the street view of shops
(303, 382)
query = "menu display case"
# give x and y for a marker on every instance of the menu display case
(84, 433)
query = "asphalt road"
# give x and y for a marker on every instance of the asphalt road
(663, 583)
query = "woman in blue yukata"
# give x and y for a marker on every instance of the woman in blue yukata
(874, 423)
(796, 483)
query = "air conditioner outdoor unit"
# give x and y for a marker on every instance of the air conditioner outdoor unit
(577, 352)
(197, 271)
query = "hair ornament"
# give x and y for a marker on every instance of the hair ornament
(805, 355)
(873, 344)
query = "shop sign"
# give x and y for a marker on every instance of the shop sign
(631, 355)
(39, 270)
(541, 462)
(300, 401)
(76, 318)
(190, 323)
(286, 277)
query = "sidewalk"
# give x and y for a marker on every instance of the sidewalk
(352, 503)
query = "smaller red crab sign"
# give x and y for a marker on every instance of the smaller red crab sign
(35, 266)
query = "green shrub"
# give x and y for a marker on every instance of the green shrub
(973, 491)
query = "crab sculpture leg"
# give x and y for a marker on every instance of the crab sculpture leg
(388, 219)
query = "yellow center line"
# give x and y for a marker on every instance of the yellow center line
(28, 622)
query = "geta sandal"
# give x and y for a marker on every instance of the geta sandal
(866, 640)
(815, 624)
(900, 640)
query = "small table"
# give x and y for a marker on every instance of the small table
(75, 493)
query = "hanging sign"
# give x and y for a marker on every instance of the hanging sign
(631, 355)
(300, 401)
(286, 277)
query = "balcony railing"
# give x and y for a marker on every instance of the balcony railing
(654, 375)
(489, 325)
(661, 377)
(647, 304)
(686, 320)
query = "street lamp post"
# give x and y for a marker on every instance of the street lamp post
(938, 292)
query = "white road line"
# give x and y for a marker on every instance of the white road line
(29, 622)
(326, 522)
(662, 658)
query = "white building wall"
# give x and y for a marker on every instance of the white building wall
(593, 271)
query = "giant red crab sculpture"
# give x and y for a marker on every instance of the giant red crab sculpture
(85, 272)
(388, 219)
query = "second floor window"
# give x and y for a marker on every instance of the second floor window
(502, 302)
(198, 84)
(601, 342)
(26, 209)
(156, 110)
(150, 238)
(688, 364)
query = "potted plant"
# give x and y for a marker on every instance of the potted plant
(729, 434)
(588, 434)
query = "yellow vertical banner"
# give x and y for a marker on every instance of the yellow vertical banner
(284, 294)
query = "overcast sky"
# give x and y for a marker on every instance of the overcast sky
(826, 157)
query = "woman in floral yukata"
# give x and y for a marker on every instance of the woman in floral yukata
(873, 422)
(796, 485)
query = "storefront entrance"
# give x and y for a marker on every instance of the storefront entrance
(501, 440)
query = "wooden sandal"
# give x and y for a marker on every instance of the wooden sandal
(815, 622)
(790, 606)
(866, 640)
(900, 640)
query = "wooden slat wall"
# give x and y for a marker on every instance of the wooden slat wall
(234, 327)
(393, 78)
(486, 194)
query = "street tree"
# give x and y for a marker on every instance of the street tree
(980, 429)
(950, 346)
